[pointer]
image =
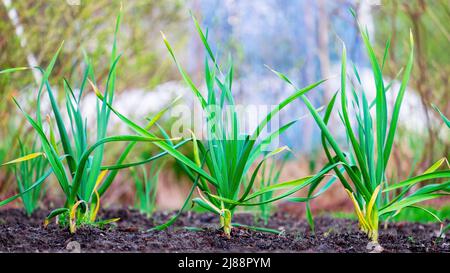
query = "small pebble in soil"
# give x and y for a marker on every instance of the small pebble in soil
(374, 247)
(74, 247)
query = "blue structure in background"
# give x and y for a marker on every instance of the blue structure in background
(285, 35)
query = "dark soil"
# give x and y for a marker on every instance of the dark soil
(18, 233)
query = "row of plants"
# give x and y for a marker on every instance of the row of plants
(228, 170)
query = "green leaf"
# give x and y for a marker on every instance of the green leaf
(186, 78)
(398, 103)
(408, 201)
(12, 70)
(23, 158)
(25, 191)
(186, 202)
(444, 118)
(417, 179)
(55, 213)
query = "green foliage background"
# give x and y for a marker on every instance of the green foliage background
(87, 27)
(429, 23)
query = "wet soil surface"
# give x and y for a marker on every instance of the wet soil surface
(194, 232)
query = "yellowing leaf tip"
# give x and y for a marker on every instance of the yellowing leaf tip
(163, 35)
(411, 37)
(96, 91)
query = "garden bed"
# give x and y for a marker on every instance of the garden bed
(18, 233)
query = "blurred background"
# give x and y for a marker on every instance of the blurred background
(301, 38)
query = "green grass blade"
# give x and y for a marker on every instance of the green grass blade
(356, 148)
(398, 103)
(260, 229)
(417, 179)
(65, 141)
(12, 70)
(85, 157)
(186, 78)
(330, 139)
(408, 201)
(52, 156)
(186, 202)
(444, 118)
(25, 191)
